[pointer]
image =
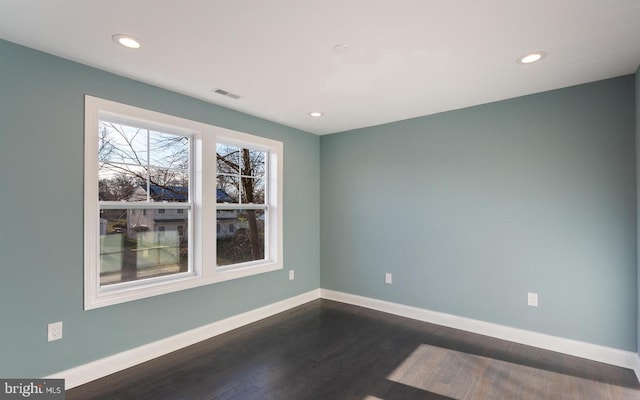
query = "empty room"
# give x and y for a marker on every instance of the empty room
(283, 199)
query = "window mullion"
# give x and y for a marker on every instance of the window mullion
(115, 205)
(240, 186)
(237, 206)
(148, 167)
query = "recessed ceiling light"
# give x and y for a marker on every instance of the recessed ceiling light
(315, 114)
(127, 41)
(531, 57)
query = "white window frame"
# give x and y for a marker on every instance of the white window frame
(203, 221)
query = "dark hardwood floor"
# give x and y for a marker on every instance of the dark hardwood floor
(329, 350)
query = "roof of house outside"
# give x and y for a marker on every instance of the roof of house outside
(169, 193)
(223, 197)
(181, 193)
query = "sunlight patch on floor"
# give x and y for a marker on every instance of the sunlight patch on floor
(460, 376)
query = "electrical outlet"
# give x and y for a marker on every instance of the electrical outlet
(532, 299)
(388, 278)
(54, 331)
(292, 275)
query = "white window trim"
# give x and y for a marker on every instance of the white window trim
(202, 230)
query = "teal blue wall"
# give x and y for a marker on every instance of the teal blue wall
(41, 243)
(473, 208)
(468, 209)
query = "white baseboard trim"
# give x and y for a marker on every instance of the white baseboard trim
(589, 351)
(100, 368)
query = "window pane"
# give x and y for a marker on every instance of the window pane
(228, 189)
(240, 236)
(169, 185)
(126, 154)
(140, 243)
(253, 162)
(168, 151)
(253, 190)
(227, 159)
(241, 175)
(118, 182)
(122, 144)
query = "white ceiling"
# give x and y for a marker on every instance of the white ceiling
(406, 58)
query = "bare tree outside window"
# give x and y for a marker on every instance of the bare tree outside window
(131, 157)
(241, 174)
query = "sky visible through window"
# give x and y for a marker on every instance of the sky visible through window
(132, 157)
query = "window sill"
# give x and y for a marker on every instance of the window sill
(130, 291)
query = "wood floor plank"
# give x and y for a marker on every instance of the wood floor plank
(329, 350)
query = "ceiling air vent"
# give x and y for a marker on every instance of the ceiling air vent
(225, 93)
